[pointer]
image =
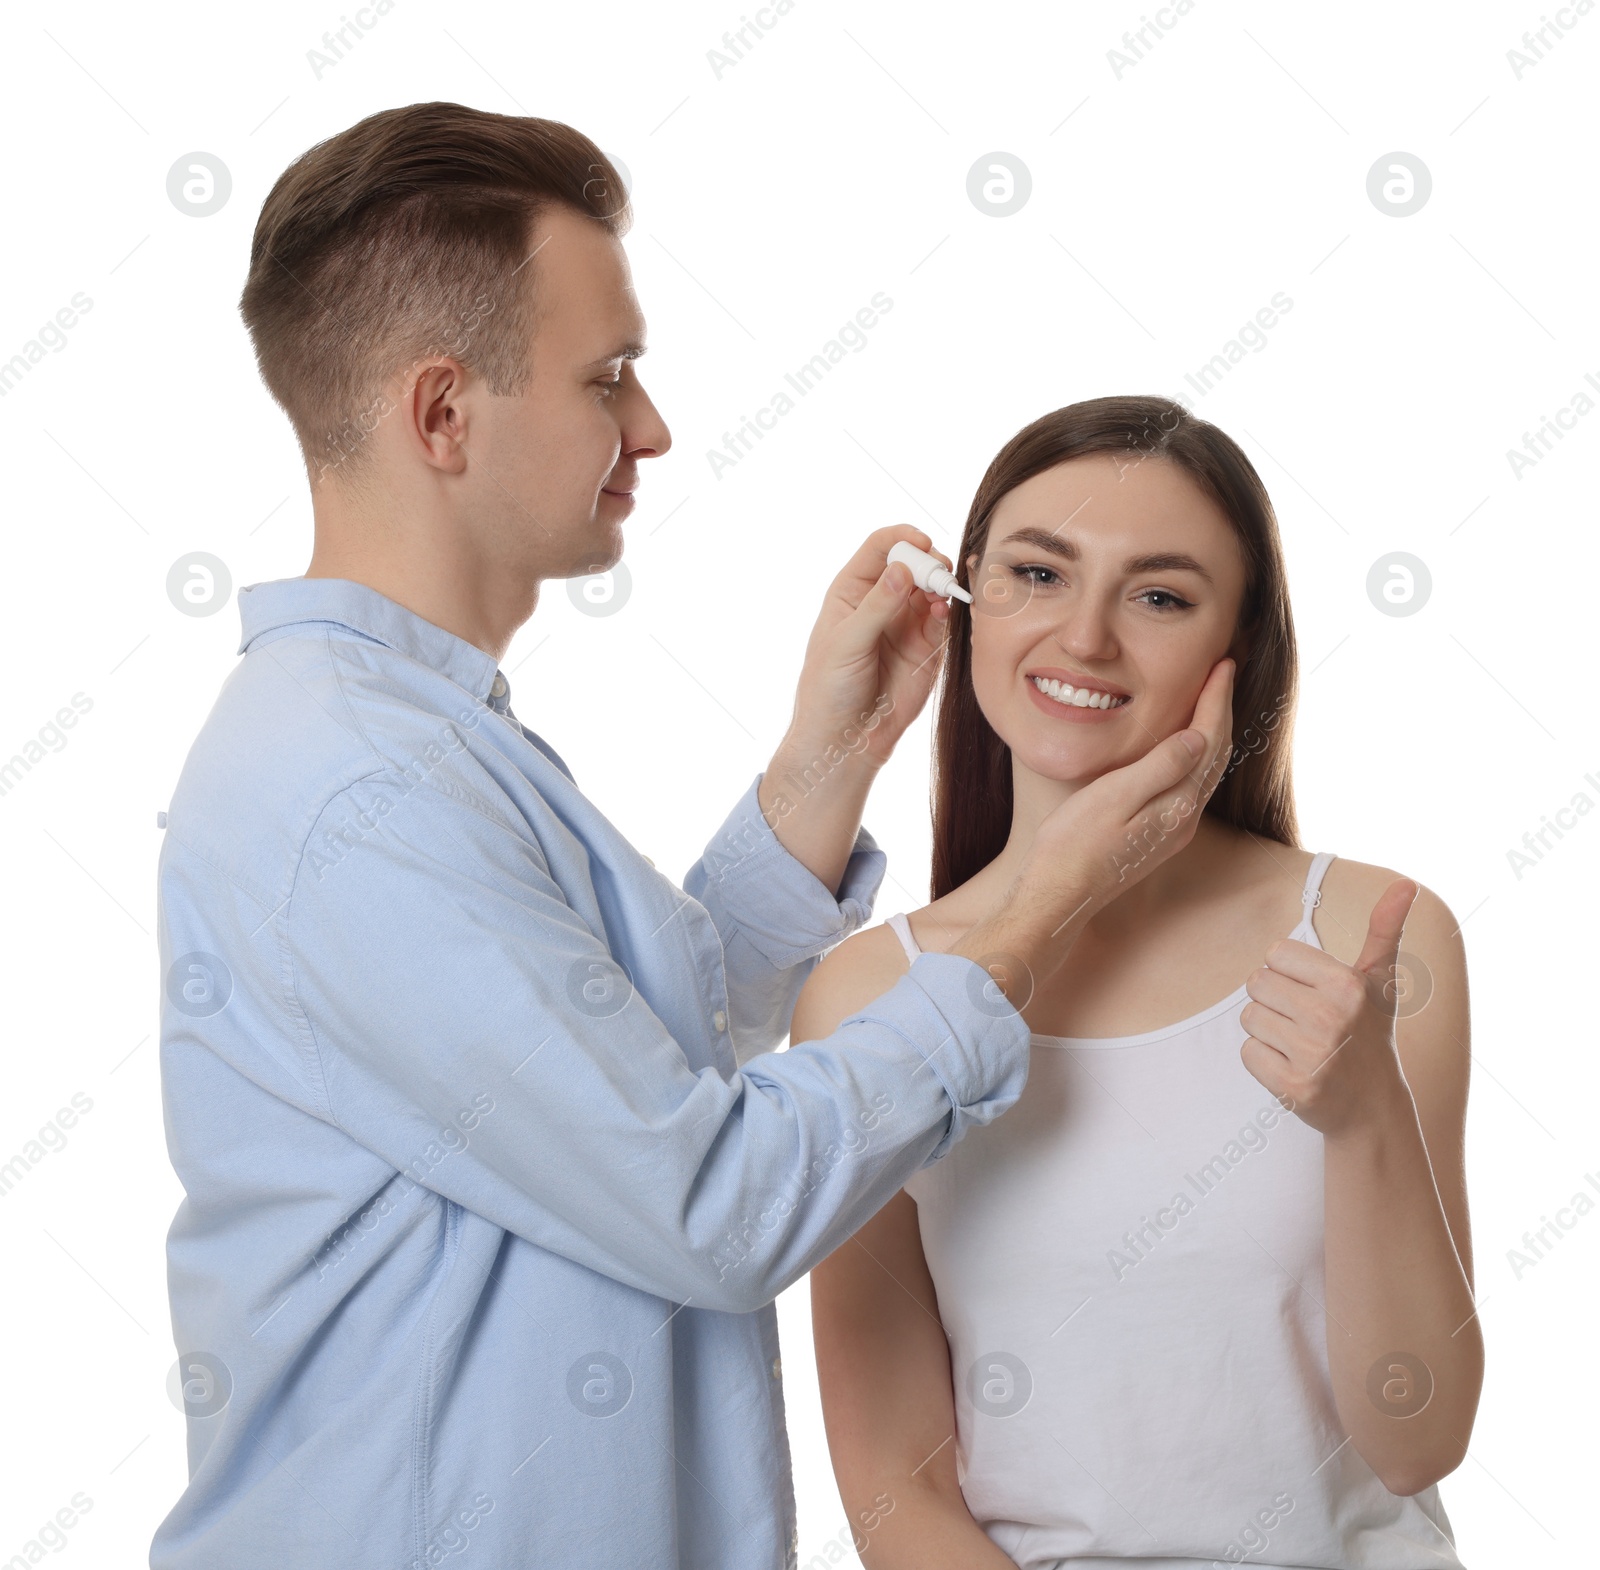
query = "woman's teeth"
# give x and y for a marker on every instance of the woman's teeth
(1077, 697)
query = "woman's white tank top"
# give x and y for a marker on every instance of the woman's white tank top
(1129, 1266)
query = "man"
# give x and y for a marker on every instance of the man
(492, 1173)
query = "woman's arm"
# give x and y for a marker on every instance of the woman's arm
(883, 1362)
(1398, 1246)
(1385, 1080)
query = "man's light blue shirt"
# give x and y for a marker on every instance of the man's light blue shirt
(492, 1172)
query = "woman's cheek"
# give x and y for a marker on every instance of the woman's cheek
(985, 658)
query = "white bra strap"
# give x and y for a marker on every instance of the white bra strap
(902, 930)
(1311, 894)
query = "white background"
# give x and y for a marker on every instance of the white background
(772, 202)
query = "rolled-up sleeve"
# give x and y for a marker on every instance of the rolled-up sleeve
(467, 1027)
(774, 916)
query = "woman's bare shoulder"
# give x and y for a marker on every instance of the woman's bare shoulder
(1351, 888)
(865, 966)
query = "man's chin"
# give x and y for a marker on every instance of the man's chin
(602, 551)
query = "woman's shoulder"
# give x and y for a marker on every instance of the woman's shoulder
(865, 966)
(1350, 889)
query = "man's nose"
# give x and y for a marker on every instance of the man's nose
(646, 434)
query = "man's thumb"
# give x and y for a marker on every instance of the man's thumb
(879, 606)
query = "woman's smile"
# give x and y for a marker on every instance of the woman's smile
(1085, 701)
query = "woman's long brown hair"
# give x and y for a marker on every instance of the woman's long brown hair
(972, 800)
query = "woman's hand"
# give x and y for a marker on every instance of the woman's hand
(1387, 1090)
(1322, 1033)
(872, 657)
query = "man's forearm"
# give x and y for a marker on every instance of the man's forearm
(812, 795)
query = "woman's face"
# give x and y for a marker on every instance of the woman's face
(1122, 578)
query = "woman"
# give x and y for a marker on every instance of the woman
(1204, 1295)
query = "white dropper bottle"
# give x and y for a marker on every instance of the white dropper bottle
(928, 572)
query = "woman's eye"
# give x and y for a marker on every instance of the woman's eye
(1173, 601)
(1042, 576)
(1026, 571)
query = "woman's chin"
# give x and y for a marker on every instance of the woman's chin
(1070, 762)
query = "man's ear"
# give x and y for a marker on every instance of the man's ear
(436, 415)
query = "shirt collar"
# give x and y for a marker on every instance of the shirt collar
(284, 602)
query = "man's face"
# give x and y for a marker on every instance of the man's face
(554, 468)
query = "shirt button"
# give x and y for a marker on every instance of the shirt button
(499, 687)
(719, 1021)
(648, 862)
(777, 1368)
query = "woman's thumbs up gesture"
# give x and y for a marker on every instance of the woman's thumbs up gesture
(1322, 1034)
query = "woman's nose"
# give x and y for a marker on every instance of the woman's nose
(1084, 631)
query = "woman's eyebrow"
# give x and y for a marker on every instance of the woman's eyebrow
(1156, 561)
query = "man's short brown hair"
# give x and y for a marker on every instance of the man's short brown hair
(403, 237)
